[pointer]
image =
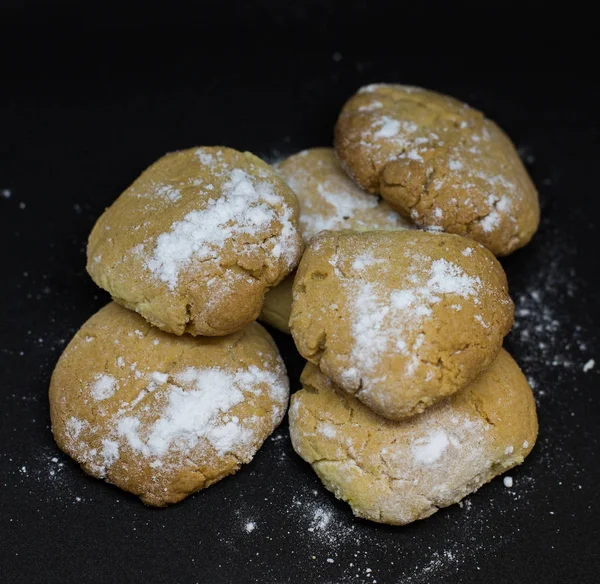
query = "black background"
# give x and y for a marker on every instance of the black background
(74, 132)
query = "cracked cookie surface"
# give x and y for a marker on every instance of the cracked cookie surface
(328, 200)
(399, 472)
(400, 319)
(163, 416)
(194, 243)
(439, 162)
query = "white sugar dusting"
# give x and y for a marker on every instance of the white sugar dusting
(328, 430)
(500, 208)
(190, 414)
(103, 387)
(388, 127)
(384, 317)
(430, 448)
(245, 210)
(331, 201)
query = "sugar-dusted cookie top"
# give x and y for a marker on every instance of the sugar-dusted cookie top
(196, 240)
(163, 416)
(439, 162)
(398, 472)
(330, 200)
(399, 318)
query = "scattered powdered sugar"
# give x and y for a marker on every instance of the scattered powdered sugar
(250, 527)
(329, 200)
(365, 260)
(430, 448)
(500, 207)
(320, 519)
(441, 450)
(190, 413)
(104, 387)
(206, 158)
(328, 430)
(245, 211)
(546, 338)
(388, 127)
(508, 482)
(383, 317)
(110, 452)
(393, 129)
(168, 192)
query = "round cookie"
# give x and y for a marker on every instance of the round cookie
(194, 243)
(398, 472)
(163, 416)
(439, 162)
(399, 318)
(328, 200)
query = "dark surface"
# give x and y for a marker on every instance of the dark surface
(70, 142)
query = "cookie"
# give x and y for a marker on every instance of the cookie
(278, 306)
(194, 243)
(399, 318)
(163, 416)
(329, 200)
(439, 162)
(398, 472)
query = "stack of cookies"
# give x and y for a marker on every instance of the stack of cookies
(398, 304)
(172, 386)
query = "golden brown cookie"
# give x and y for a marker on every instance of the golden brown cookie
(278, 305)
(163, 416)
(439, 162)
(194, 243)
(399, 318)
(328, 200)
(398, 472)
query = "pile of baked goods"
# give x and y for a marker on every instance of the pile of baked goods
(378, 256)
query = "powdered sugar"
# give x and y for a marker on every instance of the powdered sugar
(168, 192)
(328, 430)
(430, 448)
(388, 127)
(329, 200)
(103, 387)
(491, 221)
(191, 414)
(383, 317)
(246, 211)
